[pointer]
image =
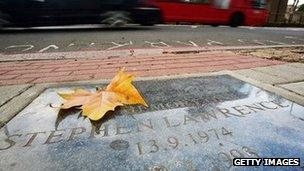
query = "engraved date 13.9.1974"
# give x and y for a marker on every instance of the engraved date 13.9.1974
(190, 139)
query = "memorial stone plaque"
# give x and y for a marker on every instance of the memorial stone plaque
(198, 123)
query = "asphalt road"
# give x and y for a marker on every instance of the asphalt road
(95, 37)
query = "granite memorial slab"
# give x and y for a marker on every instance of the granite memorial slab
(198, 123)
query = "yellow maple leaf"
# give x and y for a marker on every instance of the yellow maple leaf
(77, 98)
(122, 84)
(95, 105)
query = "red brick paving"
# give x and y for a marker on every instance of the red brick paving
(47, 71)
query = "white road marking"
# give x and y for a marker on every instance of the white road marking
(27, 47)
(289, 37)
(48, 47)
(294, 38)
(117, 45)
(71, 44)
(276, 42)
(211, 42)
(155, 44)
(191, 43)
(274, 28)
(160, 44)
(240, 40)
(139, 51)
(258, 42)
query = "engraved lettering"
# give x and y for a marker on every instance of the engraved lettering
(95, 132)
(76, 131)
(173, 142)
(138, 109)
(192, 139)
(215, 100)
(122, 130)
(254, 107)
(167, 105)
(50, 139)
(241, 110)
(169, 125)
(268, 105)
(140, 148)
(280, 105)
(154, 146)
(188, 119)
(132, 108)
(180, 104)
(203, 136)
(10, 142)
(175, 104)
(215, 133)
(32, 138)
(207, 116)
(147, 125)
(194, 103)
(226, 113)
(159, 106)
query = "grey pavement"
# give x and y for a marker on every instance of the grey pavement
(288, 76)
(83, 38)
(9, 92)
(295, 87)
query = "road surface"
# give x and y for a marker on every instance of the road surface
(95, 37)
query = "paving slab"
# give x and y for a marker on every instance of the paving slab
(193, 123)
(10, 109)
(295, 67)
(295, 87)
(282, 71)
(9, 92)
(278, 74)
(261, 76)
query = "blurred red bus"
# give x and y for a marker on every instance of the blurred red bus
(215, 12)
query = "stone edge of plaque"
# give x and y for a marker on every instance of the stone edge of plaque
(13, 106)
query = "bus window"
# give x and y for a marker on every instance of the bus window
(222, 4)
(259, 4)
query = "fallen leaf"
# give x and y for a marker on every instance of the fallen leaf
(77, 98)
(122, 85)
(98, 106)
(95, 105)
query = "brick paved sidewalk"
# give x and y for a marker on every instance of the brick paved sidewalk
(48, 71)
